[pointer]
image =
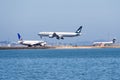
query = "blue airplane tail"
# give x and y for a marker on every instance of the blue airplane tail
(79, 29)
(19, 36)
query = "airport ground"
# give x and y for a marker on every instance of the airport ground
(57, 47)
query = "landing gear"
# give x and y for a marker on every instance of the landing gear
(29, 46)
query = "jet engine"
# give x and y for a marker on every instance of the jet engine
(50, 36)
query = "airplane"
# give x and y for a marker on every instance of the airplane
(30, 43)
(104, 43)
(61, 35)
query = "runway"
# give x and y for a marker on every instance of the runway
(58, 47)
(19, 47)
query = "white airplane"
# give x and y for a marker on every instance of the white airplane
(30, 43)
(104, 43)
(61, 35)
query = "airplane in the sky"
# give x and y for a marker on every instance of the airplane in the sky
(30, 43)
(61, 35)
(104, 43)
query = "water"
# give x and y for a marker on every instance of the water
(61, 64)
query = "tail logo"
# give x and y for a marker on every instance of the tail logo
(19, 36)
(79, 29)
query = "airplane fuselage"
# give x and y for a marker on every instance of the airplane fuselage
(31, 43)
(110, 42)
(63, 34)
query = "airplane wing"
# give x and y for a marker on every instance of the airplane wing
(57, 36)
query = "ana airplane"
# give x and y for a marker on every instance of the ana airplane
(30, 43)
(104, 43)
(61, 35)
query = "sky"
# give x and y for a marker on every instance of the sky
(100, 18)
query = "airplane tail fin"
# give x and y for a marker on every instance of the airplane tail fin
(19, 36)
(79, 29)
(114, 40)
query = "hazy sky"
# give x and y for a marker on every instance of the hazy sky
(100, 18)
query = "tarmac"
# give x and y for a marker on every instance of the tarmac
(58, 47)
(24, 47)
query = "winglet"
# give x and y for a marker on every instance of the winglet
(79, 29)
